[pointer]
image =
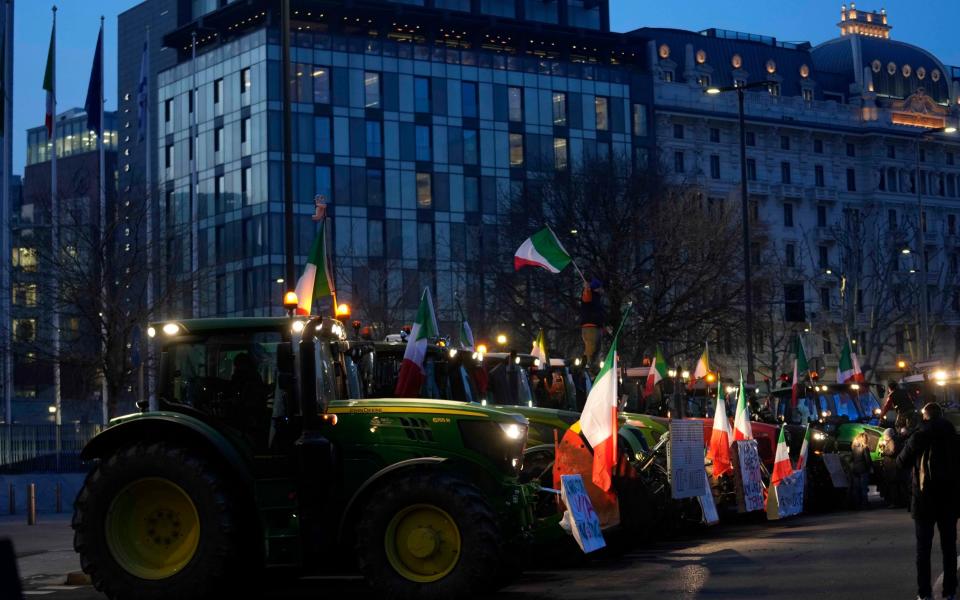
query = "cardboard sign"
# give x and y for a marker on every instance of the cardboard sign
(837, 475)
(685, 460)
(747, 476)
(786, 498)
(580, 519)
(710, 516)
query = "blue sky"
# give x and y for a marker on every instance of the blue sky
(932, 26)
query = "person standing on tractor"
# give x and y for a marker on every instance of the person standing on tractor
(899, 400)
(931, 453)
(593, 318)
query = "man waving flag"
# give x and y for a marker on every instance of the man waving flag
(741, 424)
(412, 375)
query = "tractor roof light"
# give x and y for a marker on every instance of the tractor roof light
(171, 329)
(482, 349)
(940, 376)
(290, 300)
(901, 364)
(298, 326)
(854, 386)
(151, 332)
(343, 310)
(711, 378)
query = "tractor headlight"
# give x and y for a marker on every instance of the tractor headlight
(512, 430)
(819, 436)
(500, 442)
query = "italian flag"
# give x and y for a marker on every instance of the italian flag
(542, 249)
(849, 367)
(800, 369)
(540, 349)
(781, 463)
(317, 278)
(741, 423)
(658, 372)
(49, 84)
(598, 422)
(466, 334)
(721, 438)
(412, 375)
(804, 450)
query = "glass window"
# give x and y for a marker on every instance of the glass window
(374, 139)
(322, 135)
(423, 142)
(851, 180)
(24, 330)
(515, 103)
(516, 149)
(468, 98)
(751, 138)
(818, 176)
(470, 150)
(790, 255)
(640, 120)
(677, 131)
(678, 165)
(825, 298)
(374, 187)
(471, 194)
(751, 169)
(321, 85)
(784, 142)
(217, 139)
(785, 172)
(560, 153)
(559, 109)
(821, 215)
(601, 104)
(168, 110)
(851, 149)
(218, 91)
(371, 88)
(424, 190)
(714, 135)
(421, 94)
(715, 166)
(818, 146)
(323, 182)
(787, 214)
(246, 82)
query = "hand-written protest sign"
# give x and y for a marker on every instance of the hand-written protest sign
(747, 475)
(685, 459)
(837, 475)
(786, 498)
(580, 517)
(710, 516)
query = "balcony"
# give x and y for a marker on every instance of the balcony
(822, 194)
(758, 188)
(788, 190)
(826, 234)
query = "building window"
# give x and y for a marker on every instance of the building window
(678, 166)
(715, 166)
(900, 342)
(168, 157)
(424, 190)
(851, 149)
(827, 344)
(785, 172)
(851, 180)
(374, 139)
(891, 151)
(516, 149)
(751, 169)
(667, 75)
(751, 138)
(245, 81)
(818, 177)
(423, 143)
(371, 89)
(923, 154)
(559, 109)
(818, 146)
(640, 120)
(715, 135)
(774, 89)
(246, 184)
(892, 219)
(321, 85)
(950, 158)
(807, 94)
(790, 255)
(191, 100)
(468, 99)
(168, 110)
(703, 81)
(245, 133)
(825, 298)
(560, 153)
(515, 104)
(217, 139)
(374, 187)
(787, 214)
(471, 154)
(677, 131)
(218, 91)
(421, 94)
(24, 330)
(601, 105)
(951, 224)
(823, 257)
(784, 142)
(821, 216)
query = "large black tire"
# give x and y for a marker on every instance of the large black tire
(220, 548)
(478, 568)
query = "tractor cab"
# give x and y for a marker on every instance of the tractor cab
(938, 385)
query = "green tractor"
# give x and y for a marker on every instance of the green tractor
(253, 457)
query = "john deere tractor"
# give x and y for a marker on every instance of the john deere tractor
(251, 456)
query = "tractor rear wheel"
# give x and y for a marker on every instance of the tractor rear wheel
(429, 535)
(156, 521)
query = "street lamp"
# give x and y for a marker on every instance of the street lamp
(745, 208)
(502, 340)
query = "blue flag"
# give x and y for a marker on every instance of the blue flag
(94, 104)
(143, 89)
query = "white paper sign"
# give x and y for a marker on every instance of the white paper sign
(837, 475)
(685, 460)
(749, 482)
(580, 519)
(786, 498)
(709, 508)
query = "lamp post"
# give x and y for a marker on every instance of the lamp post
(745, 209)
(921, 245)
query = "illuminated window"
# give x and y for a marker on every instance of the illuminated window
(24, 330)
(516, 149)
(560, 153)
(559, 109)
(25, 258)
(515, 103)
(424, 190)
(421, 94)
(640, 120)
(601, 106)
(245, 80)
(25, 294)
(321, 85)
(371, 90)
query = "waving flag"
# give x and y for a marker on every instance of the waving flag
(544, 250)
(48, 82)
(412, 374)
(658, 372)
(804, 449)
(317, 278)
(781, 463)
(94, 103)
(849, 367)
(540, 349)
(721, 439)
(741, 424)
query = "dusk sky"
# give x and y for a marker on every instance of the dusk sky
(931, 27)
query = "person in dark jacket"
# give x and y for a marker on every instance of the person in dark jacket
(931, 454)
(898, 399)
(593, 318)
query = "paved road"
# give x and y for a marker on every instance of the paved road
(864, 555)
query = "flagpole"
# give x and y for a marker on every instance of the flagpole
(328, 257)
(148, 128)
(104, 398)
(572, 261)
(194, 183)
(55, 234)
(5, 245)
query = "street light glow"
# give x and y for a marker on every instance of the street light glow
(713, 91)
(502, 339)
(905, 251)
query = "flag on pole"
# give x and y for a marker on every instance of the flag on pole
(317, 278)
(412, 374)
(143, 94)
(94, 103)
(800, 369)
(598, 422)
(658, 372)
(804, 449)
(540, 349)
(721, 439)
(544, 250)
(48, 83)
(849, 367)
(781, 463)
(703, 365)
(466, 334)
(741, 424)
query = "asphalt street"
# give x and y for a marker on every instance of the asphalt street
(842, 555)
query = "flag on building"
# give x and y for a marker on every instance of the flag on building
(741, 423)
(94, 103)
(540, 349)
(800, 369)
(143, 94)
(721, 439)
(804, 450)
(781, 462)
(317, 278)
(412, 374)
(544, 250)
(48, 83)
(658, 372)
(848, 370)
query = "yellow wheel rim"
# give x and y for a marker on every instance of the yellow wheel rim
(422, 543)
(152, 528)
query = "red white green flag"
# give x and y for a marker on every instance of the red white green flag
(804, 450)
(49, 84)
(800, 369)
(658, 372)
(781, 462)
(544, 250)
(848, 370)
(741, 423)
(721, 438)
(412, 374)
(317, 278)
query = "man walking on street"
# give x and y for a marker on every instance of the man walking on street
(931, 454)
(593, 318)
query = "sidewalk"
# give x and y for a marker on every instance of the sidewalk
(44, 551)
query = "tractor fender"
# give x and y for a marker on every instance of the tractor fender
(379, 476)
(633, 441)
(170, 426)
